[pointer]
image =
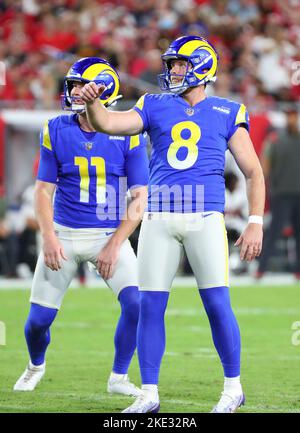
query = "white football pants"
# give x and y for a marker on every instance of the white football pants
(162, 239)
(80, 245)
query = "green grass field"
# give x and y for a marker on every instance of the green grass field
(80, 356)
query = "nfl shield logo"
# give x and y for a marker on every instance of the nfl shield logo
(88, 145)
(189, 111)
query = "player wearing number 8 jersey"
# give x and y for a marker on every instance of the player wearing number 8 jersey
(190, 134)
(90, 174)
(187, 150)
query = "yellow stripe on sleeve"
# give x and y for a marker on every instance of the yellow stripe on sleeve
(134, 141)
(46, 137)
(140, 102)
(241, 115)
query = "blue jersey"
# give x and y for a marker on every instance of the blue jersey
(92, 172)
(188, 150)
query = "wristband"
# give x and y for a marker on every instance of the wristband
(255, 219)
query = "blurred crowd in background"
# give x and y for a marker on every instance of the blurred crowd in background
(258, 42)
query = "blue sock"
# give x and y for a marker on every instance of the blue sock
(125, 335)
(37, 332)
(224, 328)
(151, 337)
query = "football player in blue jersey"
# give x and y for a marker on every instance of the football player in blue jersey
(90, 174)
(190, 133)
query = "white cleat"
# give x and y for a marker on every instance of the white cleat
(144, 404)
(123, 386)
(229, 404)
(30, 378)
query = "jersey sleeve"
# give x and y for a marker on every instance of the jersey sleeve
(137, 162)
(239, 117)
(141, 107)
(48, 168)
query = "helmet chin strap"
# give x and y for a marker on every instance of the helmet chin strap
(178, 91)
(177, 88)
(79, 109)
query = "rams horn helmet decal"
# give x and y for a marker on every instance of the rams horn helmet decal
(86, 70)
(202, 62)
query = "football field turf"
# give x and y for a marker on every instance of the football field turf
(80, 355)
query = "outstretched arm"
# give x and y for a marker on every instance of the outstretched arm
(243, 151)
(103, 120)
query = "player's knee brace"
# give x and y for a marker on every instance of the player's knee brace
(39, 318)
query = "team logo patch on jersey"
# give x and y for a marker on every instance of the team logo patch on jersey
(189, 111)
(88, 145)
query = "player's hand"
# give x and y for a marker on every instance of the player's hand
(90, 92)
(108, 258)
(53, 252)
(250, 242)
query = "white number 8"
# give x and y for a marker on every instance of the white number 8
(178, 142)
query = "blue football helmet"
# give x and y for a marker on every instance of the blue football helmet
(202, 62)
(86, 70)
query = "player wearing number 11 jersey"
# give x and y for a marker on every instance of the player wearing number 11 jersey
(89, 173)
(190, 134)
